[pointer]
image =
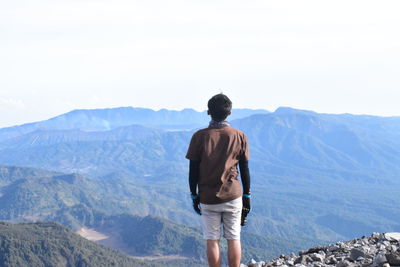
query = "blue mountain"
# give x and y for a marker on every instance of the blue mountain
(111, 118)
(320, 176)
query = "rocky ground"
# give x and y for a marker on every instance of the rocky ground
(377, 250)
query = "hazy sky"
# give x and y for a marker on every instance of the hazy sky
(326, 56)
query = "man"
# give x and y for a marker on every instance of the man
(214, 154)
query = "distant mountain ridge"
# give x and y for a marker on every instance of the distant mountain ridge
(285, 139)
(320, 176)
(111, 118)
(338, 143)
(51, 137)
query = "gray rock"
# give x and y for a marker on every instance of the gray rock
(376, 250)
(392, 236)
(315, 250)
(355, 253)
(333, 248)
(303, 259)
(343, 263)
(366, 262)
(251, 263)
(318, 264)
(290, 262)
(360, 258)
(382, 247)
(365, 241)
(386, 243)
(380, 259)
(372, 251)
(340, 258)
(375, 235)
(393, 258)
(318, 257)
(331, 260)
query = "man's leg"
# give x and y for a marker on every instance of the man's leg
(211, 221)
(234, 253)
(213, 254)
(231, 222)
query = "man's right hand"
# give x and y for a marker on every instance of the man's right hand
(196, 204)
(245, 210)
(246, 203)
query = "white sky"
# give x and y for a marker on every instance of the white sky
(326, 56)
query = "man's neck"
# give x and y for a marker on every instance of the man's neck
(214, 123)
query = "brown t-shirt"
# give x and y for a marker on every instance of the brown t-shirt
(219, 150)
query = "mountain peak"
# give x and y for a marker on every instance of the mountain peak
(289, 110)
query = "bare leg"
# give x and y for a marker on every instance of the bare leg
(234, 253)
(213, 254)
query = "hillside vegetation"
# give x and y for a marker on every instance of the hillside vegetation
(76, 202)
(50, 244)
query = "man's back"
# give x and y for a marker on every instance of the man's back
(218, 149)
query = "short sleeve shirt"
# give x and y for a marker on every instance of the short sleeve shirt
(218, 149)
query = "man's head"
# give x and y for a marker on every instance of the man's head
(219, 107)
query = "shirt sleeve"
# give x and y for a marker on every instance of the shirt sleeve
(193, 152)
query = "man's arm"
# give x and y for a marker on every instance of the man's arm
(194, 176)
(194, 167)
(245, 176)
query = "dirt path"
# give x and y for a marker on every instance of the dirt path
(91, 234)
(167, 257)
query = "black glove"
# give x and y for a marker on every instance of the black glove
(245, 210)
(246, 203)
(196, 204)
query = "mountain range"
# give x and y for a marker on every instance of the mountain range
(320, 177)
(111, 118)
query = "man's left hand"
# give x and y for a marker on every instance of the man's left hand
(196, 204)
(246, 203)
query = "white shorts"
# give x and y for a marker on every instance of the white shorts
(227, 214)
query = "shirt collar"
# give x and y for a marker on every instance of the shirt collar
(218, 123)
